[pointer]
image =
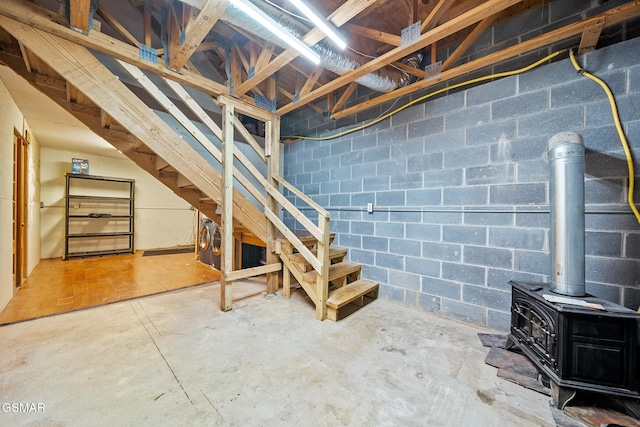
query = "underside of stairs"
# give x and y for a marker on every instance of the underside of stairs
(346, 291)
(105, 105)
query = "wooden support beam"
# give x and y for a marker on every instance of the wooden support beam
(488, 8)
(590, 36)
(370, 33)
(105, 119)
(173, 32)
(409, 69)
(246, 108)
(252, 272)
(272, 151)
(25, 56)
(345, 96)
(41, 19)
(613, 16)
(50, 82)
(147, 24)
(290, 97)
(79, 11)
(339, 17)
(479, 29)
(264, 57)
(235, 68)
(196, 30)
(311, 81)
(226, 290)
(116, 26)
(436, 14)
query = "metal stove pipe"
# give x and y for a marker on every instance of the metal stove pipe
(566, 200)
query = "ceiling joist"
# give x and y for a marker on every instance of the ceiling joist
(486, 9)
(254, 66)
(611, 17)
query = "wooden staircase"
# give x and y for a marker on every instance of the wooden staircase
(73, 78)
(345, 288)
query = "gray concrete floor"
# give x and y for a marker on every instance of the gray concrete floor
(175, 359)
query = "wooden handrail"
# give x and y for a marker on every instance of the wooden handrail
(297, 243)
(308, 200)
(249, 138)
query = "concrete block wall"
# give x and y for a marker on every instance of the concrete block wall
(460, 194)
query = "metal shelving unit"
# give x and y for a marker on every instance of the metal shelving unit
(99, 216)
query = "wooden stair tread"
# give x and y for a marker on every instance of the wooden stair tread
(336, 271)
(333, 253)
(349, 292)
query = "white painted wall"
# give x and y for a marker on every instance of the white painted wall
(162, 219)
(11, 118)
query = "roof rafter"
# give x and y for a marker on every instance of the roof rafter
(339, 17)
(31, 15)
(488, 8)
(196, 30)
(611, 17)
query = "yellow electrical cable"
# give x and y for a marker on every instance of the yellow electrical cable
(616, 118)
(429, 95)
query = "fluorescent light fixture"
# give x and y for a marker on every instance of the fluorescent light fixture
(250, 9)
(320, 22)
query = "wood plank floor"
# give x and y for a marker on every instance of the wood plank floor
(57, 286)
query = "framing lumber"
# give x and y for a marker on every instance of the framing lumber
(611, 17)
(88, 75)
(590, 36)
(41, 19)
(172, 109)
(479, 29)
(373, 34)
(116, 26)
(311, 81)
(436, 14)
(79, 14)
(345, 96)
(253, 271)
(339, 17)
(488, 8)
(226, 290)
(196, 30)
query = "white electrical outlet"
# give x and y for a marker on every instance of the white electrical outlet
(370, 207)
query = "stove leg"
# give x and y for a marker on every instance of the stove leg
(510, 343)
(560, 396)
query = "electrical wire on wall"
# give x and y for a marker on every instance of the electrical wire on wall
(429, 95)
(605, 87)
(621, 135)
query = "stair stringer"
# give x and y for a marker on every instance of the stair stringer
(80, 68)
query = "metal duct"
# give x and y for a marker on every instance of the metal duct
(383, 80)
(566, 199)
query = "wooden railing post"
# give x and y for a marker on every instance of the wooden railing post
(322, 285)
(226, 295)
(272, 153)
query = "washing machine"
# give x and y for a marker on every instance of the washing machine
(209, 243)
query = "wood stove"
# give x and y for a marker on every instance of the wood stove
(580, 342)
(577, 347)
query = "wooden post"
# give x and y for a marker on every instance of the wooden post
(272, 150)
(322, 283)
(226, 295)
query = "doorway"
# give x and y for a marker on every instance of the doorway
(20, 198)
